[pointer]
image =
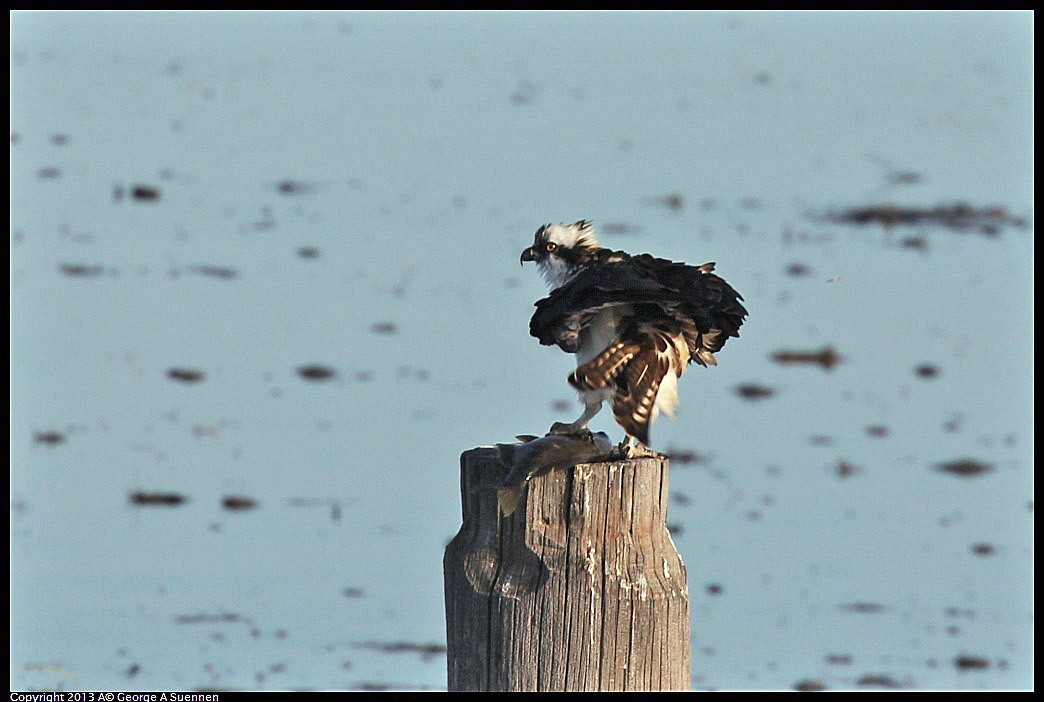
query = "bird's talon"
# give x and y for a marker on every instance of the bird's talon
(563, 429)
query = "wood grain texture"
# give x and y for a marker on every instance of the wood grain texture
(581, 589)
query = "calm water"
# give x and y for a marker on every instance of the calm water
(351, 192)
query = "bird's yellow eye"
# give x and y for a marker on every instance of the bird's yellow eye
(550, 246)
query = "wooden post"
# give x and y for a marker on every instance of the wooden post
(581, 589)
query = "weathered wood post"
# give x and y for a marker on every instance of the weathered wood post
(580, 589)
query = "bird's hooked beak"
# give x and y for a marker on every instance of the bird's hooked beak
(527, 255)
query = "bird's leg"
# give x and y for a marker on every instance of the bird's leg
(627, 446)
(580, 425)
(632, 448)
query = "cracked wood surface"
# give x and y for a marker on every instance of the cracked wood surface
(581, 589)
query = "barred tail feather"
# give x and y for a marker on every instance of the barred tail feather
(635, 397)
(600, 370)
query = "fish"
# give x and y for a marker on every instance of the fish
(533, 456)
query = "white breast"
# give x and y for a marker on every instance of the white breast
(600, 333)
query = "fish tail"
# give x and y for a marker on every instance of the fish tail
(508, 499)
(506, 454)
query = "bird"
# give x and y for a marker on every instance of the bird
(634, 322)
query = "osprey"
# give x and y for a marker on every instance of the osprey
(634, 323)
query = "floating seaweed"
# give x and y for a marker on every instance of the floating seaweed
(203, 618)
(316, 372)
(683, 456)
(426, 651)
(926, 371)
(214, 271)
(185, 375)
(81, 270)
(160, 499)
(294, 187)
(845, 469)
(673, 201)
(862, 607)
(965, 662)
(619, 228)
(965, 467)
(51, 438)
(983, 549)
(238, 503)
(878, 681)
(959, 217)
(798, 270)
(144, 193)
(754, 392)
(827, 357)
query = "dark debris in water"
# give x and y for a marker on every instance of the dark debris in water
(384, 328)
(876, 431)
(799, 270)
(809, 686)
(426, 651)
(203, 618)
(673, 201)
(214, 271)
(879, 681)
(863, 607)
(964, 468)
(157, 499)
(620, 229)
(683, 456)
(144, 193)
(185, 375)
(238, 503)
(294, 187)
(965, 662)
(827, 357)
(959, 217)
(983, 549)
(754, 392)
(914, 243)
(51, 438)
(81, 270)
(316, 372)
(926, 371)
(844, 469)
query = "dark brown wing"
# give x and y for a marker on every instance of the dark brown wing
(705, 308)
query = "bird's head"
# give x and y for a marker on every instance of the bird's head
(561, 250)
